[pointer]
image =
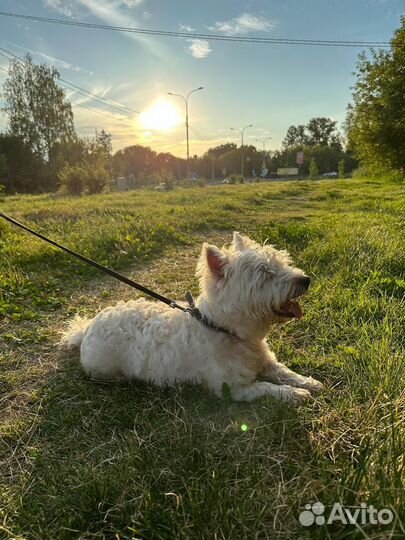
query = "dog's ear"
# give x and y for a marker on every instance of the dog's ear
(240, 242)
(216, 260)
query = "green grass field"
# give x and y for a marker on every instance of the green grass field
(91, 461)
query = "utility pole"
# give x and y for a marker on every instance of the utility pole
(242, 132)
(185, 99)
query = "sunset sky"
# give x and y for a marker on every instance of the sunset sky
(269, 86)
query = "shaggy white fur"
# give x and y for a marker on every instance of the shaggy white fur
(245, 288)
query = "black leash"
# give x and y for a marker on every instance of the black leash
(192, 309)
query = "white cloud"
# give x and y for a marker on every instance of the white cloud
(66, 8)
(243, 24)
(129, 3)
(186, 28)
(52, 60)
(199, 48)
(101, 90)
(69, 8)
(110, 12)
(64, 64)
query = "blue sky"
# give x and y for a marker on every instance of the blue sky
(269, 86)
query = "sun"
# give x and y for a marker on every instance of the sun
(162, 116)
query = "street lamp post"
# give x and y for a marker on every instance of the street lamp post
(263, 141)
(185, 99)
(242, 132)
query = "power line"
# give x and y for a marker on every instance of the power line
(99, 112)
(101, 98)
(75, 87)
(195, 35)
(199, 134)
(102, 113)
(71, 86)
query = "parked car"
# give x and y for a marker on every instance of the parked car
(330, 174)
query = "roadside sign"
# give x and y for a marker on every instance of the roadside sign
(300, 158)
(288, 171)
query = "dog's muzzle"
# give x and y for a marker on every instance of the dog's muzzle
(291, 308)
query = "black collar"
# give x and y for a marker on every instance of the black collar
(196, 314)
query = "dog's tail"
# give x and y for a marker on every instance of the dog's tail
(73, 336)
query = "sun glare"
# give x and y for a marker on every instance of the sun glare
(162, 116)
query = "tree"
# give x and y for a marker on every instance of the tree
(87, 177)
(375, 123)
(103, 144)
(3, 166)
(313, 169)
(295, 136)
(208, 165)
(144, 166)
(348, 128)
(217, 151)
(24, 171)
(231, 160)
(36, 106)
(321, 131)
(341, 168)
(336, 141)
(68, 152)
(71, 179)
(134, 160)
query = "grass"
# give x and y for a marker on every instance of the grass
(90, 461)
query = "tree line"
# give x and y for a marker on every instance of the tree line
(41, 151)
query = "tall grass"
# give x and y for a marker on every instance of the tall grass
(80, 460)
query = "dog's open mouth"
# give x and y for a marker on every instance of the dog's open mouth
(291, 309)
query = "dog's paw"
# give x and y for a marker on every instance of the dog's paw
(294, 395)
(314, 386)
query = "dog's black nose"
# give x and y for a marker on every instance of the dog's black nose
(305, 282)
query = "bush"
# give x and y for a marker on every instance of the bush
(236, 179)
(393, 175)
(386, 175)
(169, 182)
(360, 172)
(95, 179)
(313, 169)
(71, 179)
(83, 178)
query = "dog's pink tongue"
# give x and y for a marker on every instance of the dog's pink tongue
(292, 309)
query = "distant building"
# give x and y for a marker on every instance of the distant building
(121, 183)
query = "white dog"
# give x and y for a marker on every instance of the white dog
(245, 288)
